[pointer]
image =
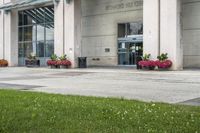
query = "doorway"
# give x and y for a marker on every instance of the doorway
(130, 43)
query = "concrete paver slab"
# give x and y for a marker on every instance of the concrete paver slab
(156, 86)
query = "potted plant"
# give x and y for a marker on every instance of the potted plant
(64, 62)
(146, 63)
(163, 63)
(3, 63)
(32, 61)
(53, 62)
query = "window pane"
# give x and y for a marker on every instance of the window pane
(40, 32)
(123, 59)
(50, 32)
(21, 50)
(28, 49)
(40, 49)
(29, 17)
(134, 28)
(20, 18)
(121, 30)
(30, 33)
(20, 34)
(49, 48)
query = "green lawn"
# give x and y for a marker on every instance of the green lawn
(43, 113)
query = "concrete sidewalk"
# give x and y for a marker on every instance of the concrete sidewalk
(165, 86)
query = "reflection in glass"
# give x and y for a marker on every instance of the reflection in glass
(29, 17)
(127, 29)
(21, 49)
(28, 49)
(49, 48)
(40, 49)
(20, 36)
(20, 18)
(121, 30)
(40, 32)
(29, 33)
(49, 31)
(134, 28)
(122, 59)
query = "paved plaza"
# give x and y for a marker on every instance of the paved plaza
(156, 86)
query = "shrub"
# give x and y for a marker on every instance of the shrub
(163, 57)
(54, 57)
(146, 57)
(63, 57)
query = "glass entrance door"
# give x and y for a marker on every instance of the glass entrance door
(128, 53)
(130, 43)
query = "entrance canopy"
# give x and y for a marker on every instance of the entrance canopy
(23, 3)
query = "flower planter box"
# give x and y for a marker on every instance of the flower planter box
(147, 64)
(149, 68)
(3, 63)
(64, 64)
(54, 66)
(32, 63)
(163, 65)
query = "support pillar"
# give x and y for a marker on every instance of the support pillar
(151, 27)
(73, 31)
(9, 35)
(68, 29)
(58, 28)
(171, 32)
(1, 32)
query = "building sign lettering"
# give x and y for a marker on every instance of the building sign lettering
(124, 5)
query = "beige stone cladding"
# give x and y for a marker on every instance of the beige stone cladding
(191, 32)
(99, 27)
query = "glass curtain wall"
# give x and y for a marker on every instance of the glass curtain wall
(36, 34)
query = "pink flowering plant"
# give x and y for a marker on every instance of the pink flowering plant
(163, 61)
(146, 62)
(57, 62)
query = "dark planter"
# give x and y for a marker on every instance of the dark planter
(55, 66)
(64, 66)
(151, 67)
(32, 63)
(148, 68)
(163, 69)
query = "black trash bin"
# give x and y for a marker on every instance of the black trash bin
(82, 62)
(138, 59)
